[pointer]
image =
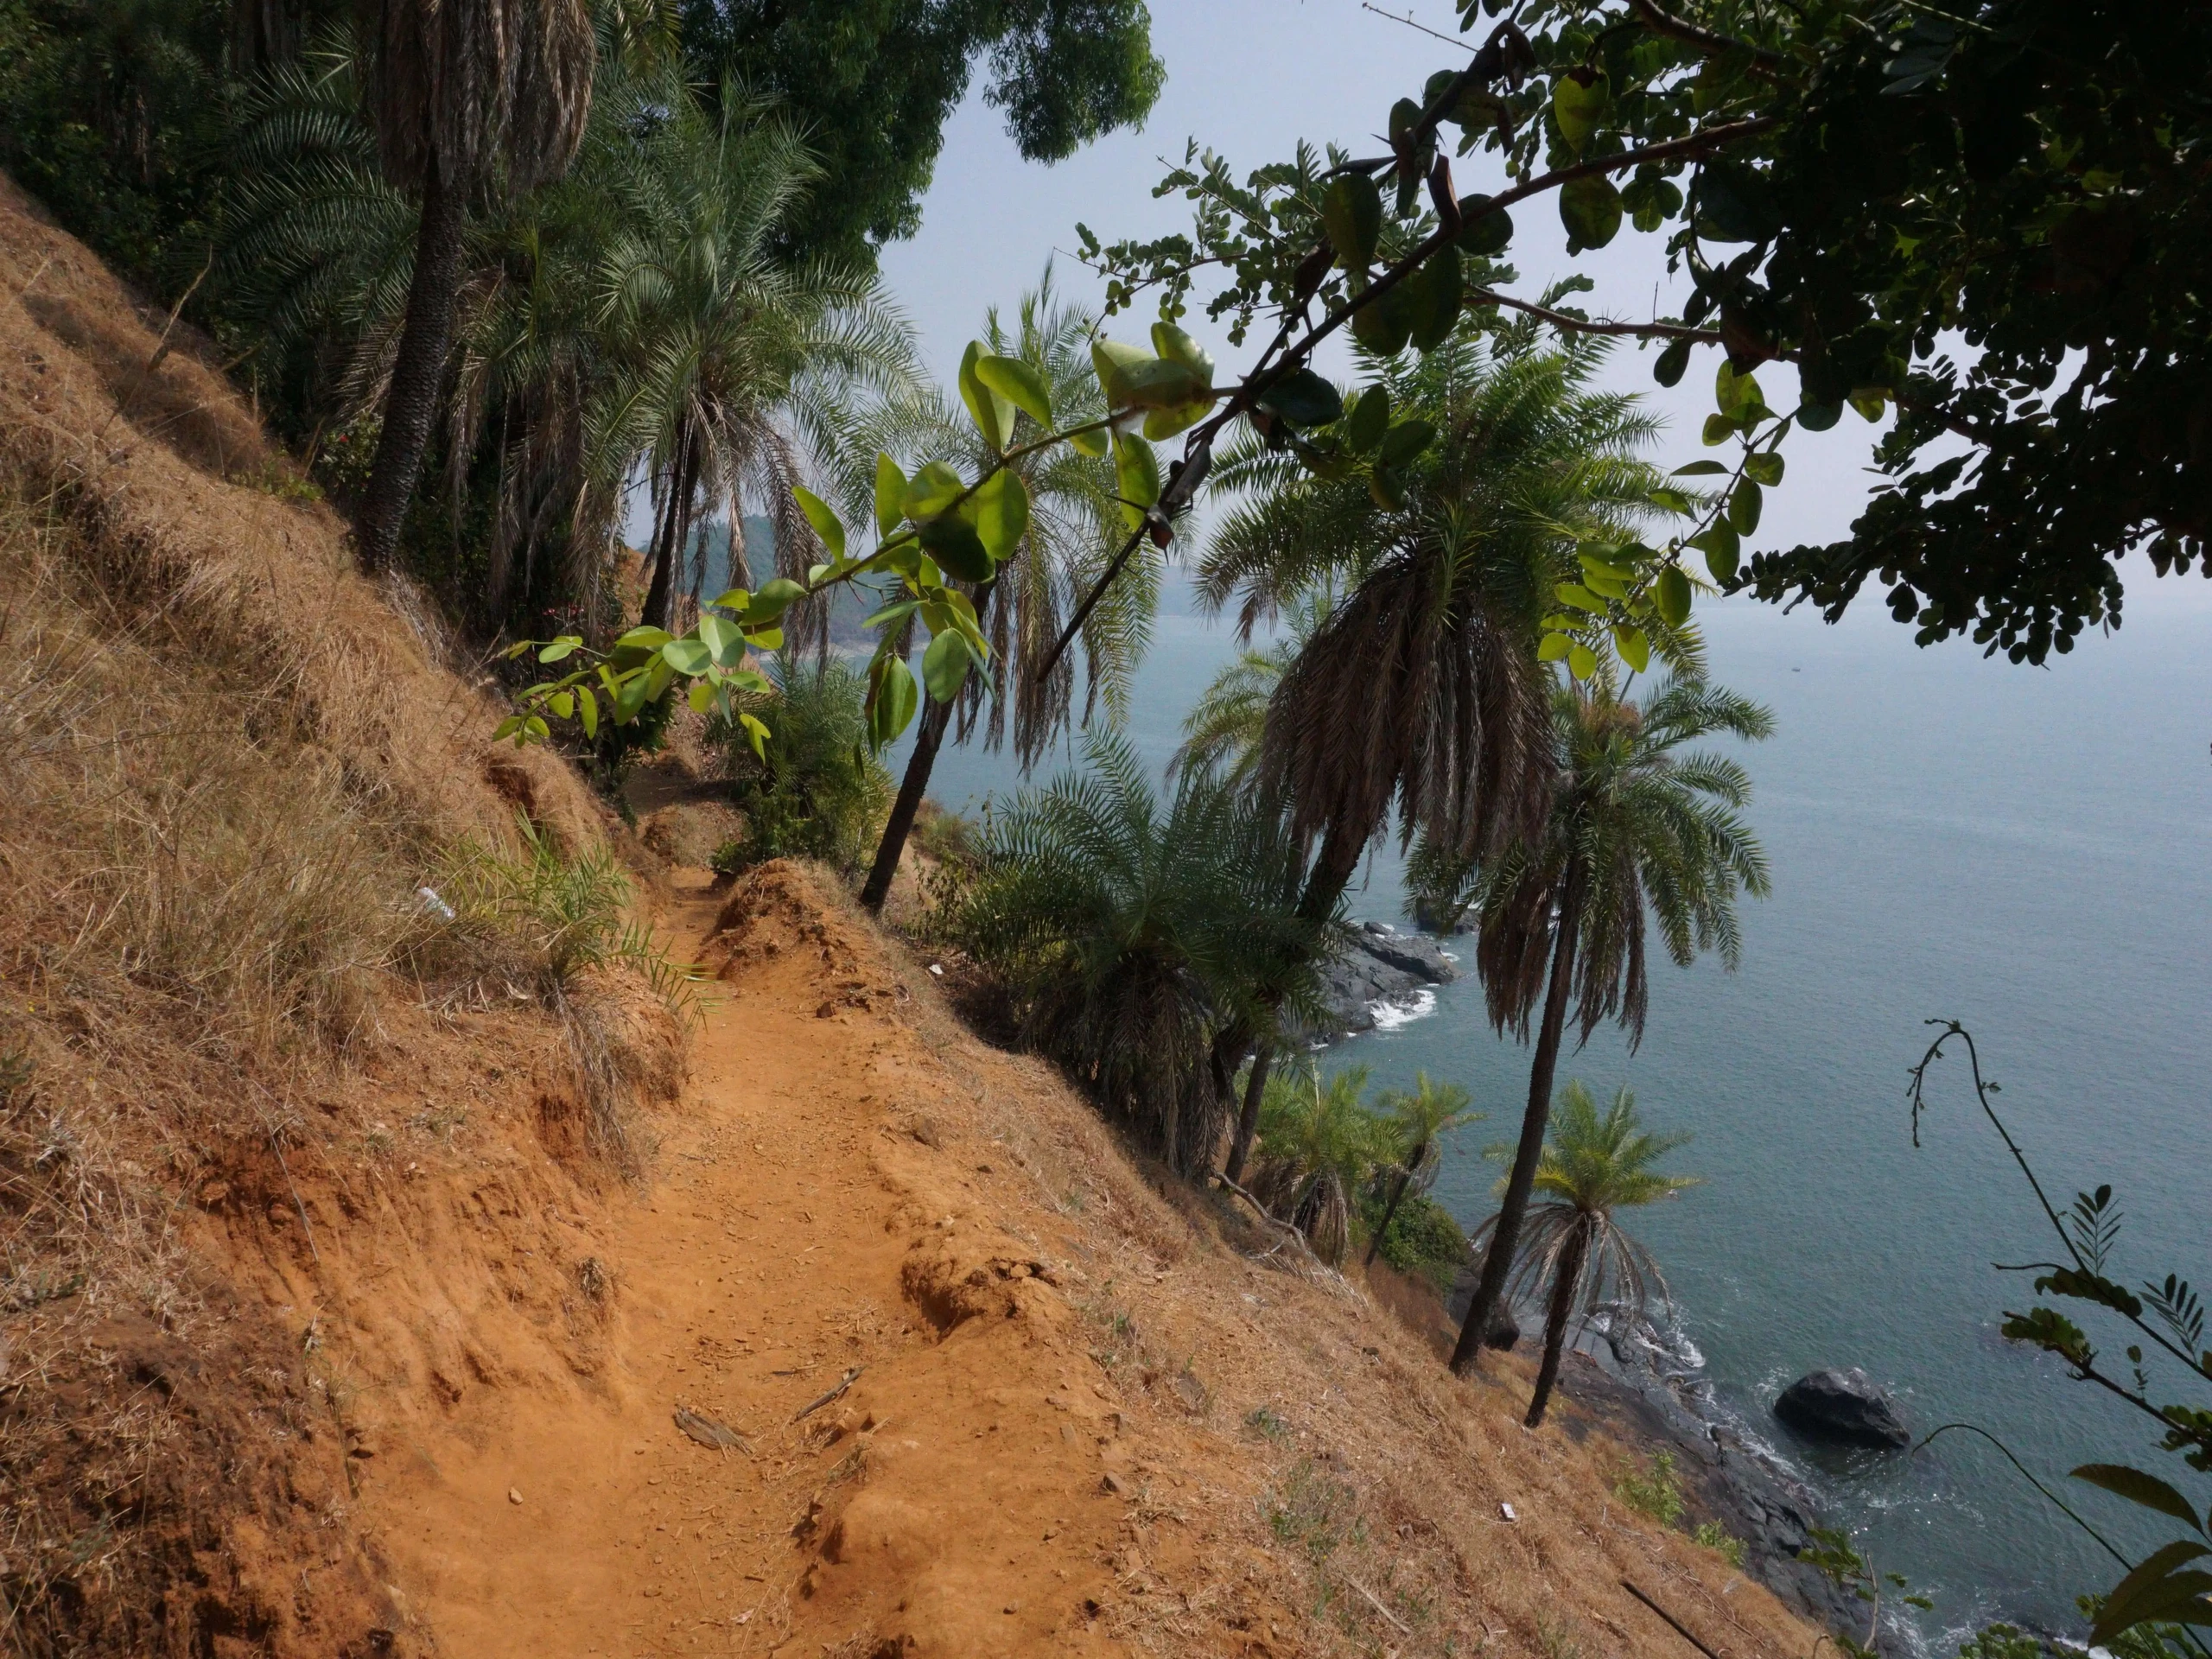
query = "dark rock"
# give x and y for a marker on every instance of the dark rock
(1376, 964)
(1505, 1331)
(1843, 1406)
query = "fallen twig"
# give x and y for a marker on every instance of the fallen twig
(1396, 1622)
(844, 1383)
(1680, 1629)
(710, 1432)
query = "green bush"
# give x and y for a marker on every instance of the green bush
(1422, 1239)
(817, 791)
(1656, 1492)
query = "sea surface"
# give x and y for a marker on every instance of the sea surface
(2023, 849)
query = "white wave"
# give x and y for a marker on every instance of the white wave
(1391, 1014)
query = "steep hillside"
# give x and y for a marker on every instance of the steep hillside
(370, 1289)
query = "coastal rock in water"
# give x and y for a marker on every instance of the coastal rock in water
(1846, 1406)
(1377, 964)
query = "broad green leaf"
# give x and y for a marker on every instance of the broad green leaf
(1002, 513)
(775, 597)
(1870, 402)
(1719, 429)
(587, 711)
(1591, 209)
(2139, 1488)
(1575, 594)
(1136, 476)
(955, 544)
(1635, 649)
(1672, 501)
(1405, 441)
(1582, 103)
(1765, 467)
(1733, 394)
(535, 727)
(1819, 418)
(1368, 420)
(1171, 343)
(932, 490)
(824, 521)
(992, 413)
(1384, 325)
(1352, 213)
(644, 639)
(1090, 441)
(1671, 363)
(507, 727)
(1581, 661)
(1160, 424)
(1603, 584)
(725, 641)
(1672, 595)
(1303, 398)
(559, 649)
(1485, 230)
(1553, 646)
(1723, 551)
(766, 640)
(890, 702)
(686, 657)
(757, 732)
(1699, 469)
(2146, 1592)
(1021, 384)
(736, 598)
(890, 614)
(1744, 503)
(700, 696)
(1650, 200)
(1437, 289)
(944, 665)
(1132, 377)
(1385, 488)
(890, 494)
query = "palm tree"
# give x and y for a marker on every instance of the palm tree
(1319, 1145)
(1419, 1121)
(1592, 1165)
(1420, 690)
(1129, 937)
(1072, 534)
(466, 96)
(1635, 827)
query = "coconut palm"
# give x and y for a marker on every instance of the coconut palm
(1638, 829)
(1129, 937)
(1420, 691)
(1319, 1145)
(467, 97)
(1072, 535)
(1593, 1164)
(1419, 1121)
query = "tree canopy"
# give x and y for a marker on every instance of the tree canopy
(874, 81)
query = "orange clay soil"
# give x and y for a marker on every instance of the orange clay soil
(1079, 1420)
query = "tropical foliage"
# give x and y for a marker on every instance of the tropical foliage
(1572, 1247)
(815, 789)
(1319, 1144)
(1419, 1118)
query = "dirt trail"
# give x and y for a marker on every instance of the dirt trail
(1081, 1423)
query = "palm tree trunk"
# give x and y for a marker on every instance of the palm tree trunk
(418, 372)
(1397, 1198)
(1247, 1119)
(669, 545)
(1505, 1239)
(1567, 1281)
(927, 741)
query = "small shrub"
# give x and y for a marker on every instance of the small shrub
(1423, 1239)
(1714, 1536)
(1266, 1423)
(1656, 1492)
(817, 791)
(1315, 1511)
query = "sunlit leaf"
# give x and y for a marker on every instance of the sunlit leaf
(993, 412)
(1591, 209)
(1021, 384)
(890, 494)
(825, 522)
(1002, 512)
(944, 665)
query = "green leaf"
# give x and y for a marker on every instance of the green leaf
(825, 522)
(1744, 503)
(1160, 424)
(1723, 552)
(1134, 379)
(1699, 469)
(1819, 418)
(536, 727)
(1368, 420)
(774, 598)
(890, 614)
(1385, 488)
(587, 711)
(1019, 384)
(2139, 1488)
(1603, 582)
(1553, 646)
(559, 649)
(700, 696)
(1434, 303)
(725, 641)
(944, 665)
(1870, 402)
(1581, 661)
(1171, 343)
(1575, 594)
(1765, 467)
(1650, 200)
(1303, 398)
(1352, 213)
(932, 490)
(992, 413)
(1483, 230)
(1672, 595)
(686, 657)
(1090, 441)
(1635, 649)
(2147, 1592)
(1673, 363)
(891, 700)
(1719, 429)
(736, 598)
(1405, 441)
(1591, 209)
(757, 732)
(1002, 513)
(1136, 476)
(1735, 394)
(643, 639)
(1384, 325)
(1582, 102)
(890, 494)
(507, 727)
(956, 544)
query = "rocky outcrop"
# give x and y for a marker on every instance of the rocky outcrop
(1378, 965)
(1848, 1407)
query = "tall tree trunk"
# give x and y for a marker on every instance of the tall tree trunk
(888, 851)
(1324, 884)
(1505, 1239)
(660, 596)
(1564, 1287)
(1397, 1198)
(418, 373)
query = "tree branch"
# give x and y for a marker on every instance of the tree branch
(1572, 324)
(1711, 43)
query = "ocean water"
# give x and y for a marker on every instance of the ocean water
(2023, 849)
